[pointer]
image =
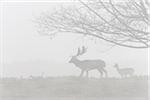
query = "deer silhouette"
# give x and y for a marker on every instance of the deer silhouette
(124, 72)
(87, 65)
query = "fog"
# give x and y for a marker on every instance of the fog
(25, 52)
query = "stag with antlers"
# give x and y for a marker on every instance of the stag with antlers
(87, 65)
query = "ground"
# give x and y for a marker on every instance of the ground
(74, 88)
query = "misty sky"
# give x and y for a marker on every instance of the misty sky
(23, 47)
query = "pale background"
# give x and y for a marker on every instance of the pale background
(26, 53)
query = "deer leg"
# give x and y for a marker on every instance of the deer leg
(87, 73)
(101, 73)
(81, 74)
(105, 72)
(125, 76)
(131, 74)
(122, 76)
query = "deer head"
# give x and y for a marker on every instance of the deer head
(80, 52)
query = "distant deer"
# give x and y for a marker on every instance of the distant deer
(37, 77)
(87, 65)
(124, 72)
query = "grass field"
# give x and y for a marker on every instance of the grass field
(74, 88)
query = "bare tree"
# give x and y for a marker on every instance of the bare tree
(123, 23)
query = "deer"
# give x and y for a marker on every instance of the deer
(124, 72)
(87, 65)
(37, 77)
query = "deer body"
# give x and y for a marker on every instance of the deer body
(124, 72)
(87, 65)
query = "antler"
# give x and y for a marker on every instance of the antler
(80, 52)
